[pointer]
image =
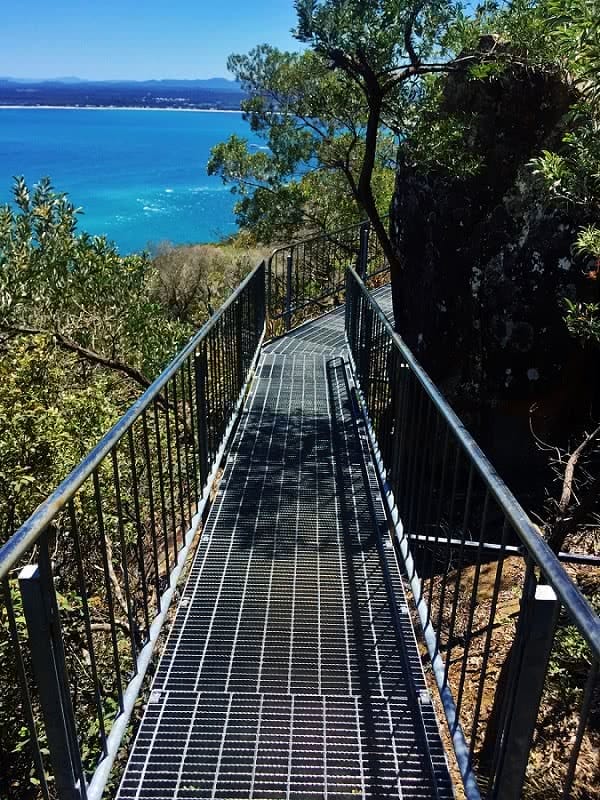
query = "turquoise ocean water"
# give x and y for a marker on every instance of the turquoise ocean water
(140, 176)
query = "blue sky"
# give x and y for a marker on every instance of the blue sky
(136, 38)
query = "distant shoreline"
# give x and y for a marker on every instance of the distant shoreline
(125, 108)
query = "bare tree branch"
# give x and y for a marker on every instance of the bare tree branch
(567, 489)
(569, 523)
(408, 32)
(84, 352)
(569, 518)
(105, 627)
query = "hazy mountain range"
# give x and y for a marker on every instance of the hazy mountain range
(211, 93)
(199, 83)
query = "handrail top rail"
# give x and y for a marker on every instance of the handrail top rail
(323, 235)
(578, 607)
(29, 532)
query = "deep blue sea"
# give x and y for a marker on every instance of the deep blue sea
(140, 176)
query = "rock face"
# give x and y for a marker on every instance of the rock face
(485, 268)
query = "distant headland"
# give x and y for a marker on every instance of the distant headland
(217, 94)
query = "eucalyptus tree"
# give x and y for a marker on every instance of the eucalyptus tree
(333, 114)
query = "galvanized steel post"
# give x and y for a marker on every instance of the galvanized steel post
(49, 669)
(364, 249)
(289, 263)
(538, 636)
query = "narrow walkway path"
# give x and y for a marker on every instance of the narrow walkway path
(292, 669)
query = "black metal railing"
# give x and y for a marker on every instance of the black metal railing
(308, 278)
(87, 580)
(514, 646)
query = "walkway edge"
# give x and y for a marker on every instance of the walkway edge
(461, 749)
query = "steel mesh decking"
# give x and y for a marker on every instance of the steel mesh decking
(291, 670)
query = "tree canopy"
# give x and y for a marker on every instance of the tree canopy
(332, 114)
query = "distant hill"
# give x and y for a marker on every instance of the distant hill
(217, 93)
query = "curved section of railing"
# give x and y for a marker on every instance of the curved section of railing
(498, 620)
(87, 580)
(307, 278)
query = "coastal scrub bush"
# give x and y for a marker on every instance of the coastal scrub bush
(192, 281)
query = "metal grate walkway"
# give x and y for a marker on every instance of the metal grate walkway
(292, 670)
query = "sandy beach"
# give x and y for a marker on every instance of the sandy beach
(126, 108)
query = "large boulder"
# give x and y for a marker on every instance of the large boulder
(486, 266)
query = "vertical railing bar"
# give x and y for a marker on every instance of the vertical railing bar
(413, 455)
(244, 312)
(224, 351)
(203, 445)
(161, 487)
(514, 665)
(461, 550)
(375, 386)
(247, 328)
(219, 351)
(239, 325)
(409, 394)
(186, 456)
(213, 381)
(488, 639)
(140, 532)
(420, 490)
(288, 290)
(298, 282)
(392, 375)
(170, 462)
(152, 511)
(229, 363)
(438, 518)
(364, 249)
(244, 324)
(269, 286)
(428, 569)
(251, 310)
(87, 623)
(381, 371)
(209, 381)
(473, 603)
(173, 434)
(399, 410)
(65, 700)
(301, 277)
(260, 310)
(34, 743)
(448, 560)
(586, 706)
(383, 383)
(234, 368)
(193, 432)
(220, 409)
(182, 518)
(124, 565)
(386, 389)
(107, 584)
